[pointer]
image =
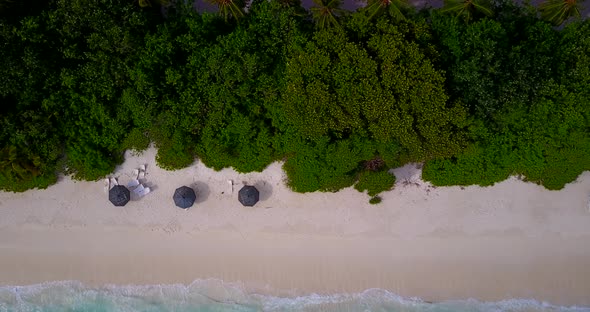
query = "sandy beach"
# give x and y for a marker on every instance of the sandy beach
(512, 240)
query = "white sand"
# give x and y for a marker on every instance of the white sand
(512, 240)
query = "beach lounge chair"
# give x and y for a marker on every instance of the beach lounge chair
(231, 186)
(138, 189)
(114, 182)
(133, 183)
(144, 191)
(142, 172)
(107, 185)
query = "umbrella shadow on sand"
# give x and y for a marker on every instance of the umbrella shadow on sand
(264, 188)
(202, 191)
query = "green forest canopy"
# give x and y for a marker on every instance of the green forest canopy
(502, 92)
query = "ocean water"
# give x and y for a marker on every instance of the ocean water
(217, 296)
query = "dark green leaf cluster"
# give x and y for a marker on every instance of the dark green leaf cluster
(477, 99)
(375, 200)
(526, 88)
(375, 182)
(325, 165)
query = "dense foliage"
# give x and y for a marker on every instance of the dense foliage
(375, 182)
(478, 91)
(526, 86)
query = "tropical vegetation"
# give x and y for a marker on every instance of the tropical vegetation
(477, 90)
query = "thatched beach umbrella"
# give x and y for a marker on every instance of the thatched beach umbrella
(248, 195)
(119, 195)
(184, 197)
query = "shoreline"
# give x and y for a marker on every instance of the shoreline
(126, 258)
(511, 240)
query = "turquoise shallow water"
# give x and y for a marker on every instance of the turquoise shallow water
(216, 296)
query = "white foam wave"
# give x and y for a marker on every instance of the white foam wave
(216, 295)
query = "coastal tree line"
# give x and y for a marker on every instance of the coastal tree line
(476, 90)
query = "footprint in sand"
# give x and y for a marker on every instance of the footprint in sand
(172, 226)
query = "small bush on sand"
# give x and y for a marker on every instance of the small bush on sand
(375, 200)
(375, 182)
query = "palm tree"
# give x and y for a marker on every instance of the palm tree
(298, 9)
(468, 8)
(558, 11)
(148, 3)
(326, 14)
(374, 7)
(227, 8)
(289, 3)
